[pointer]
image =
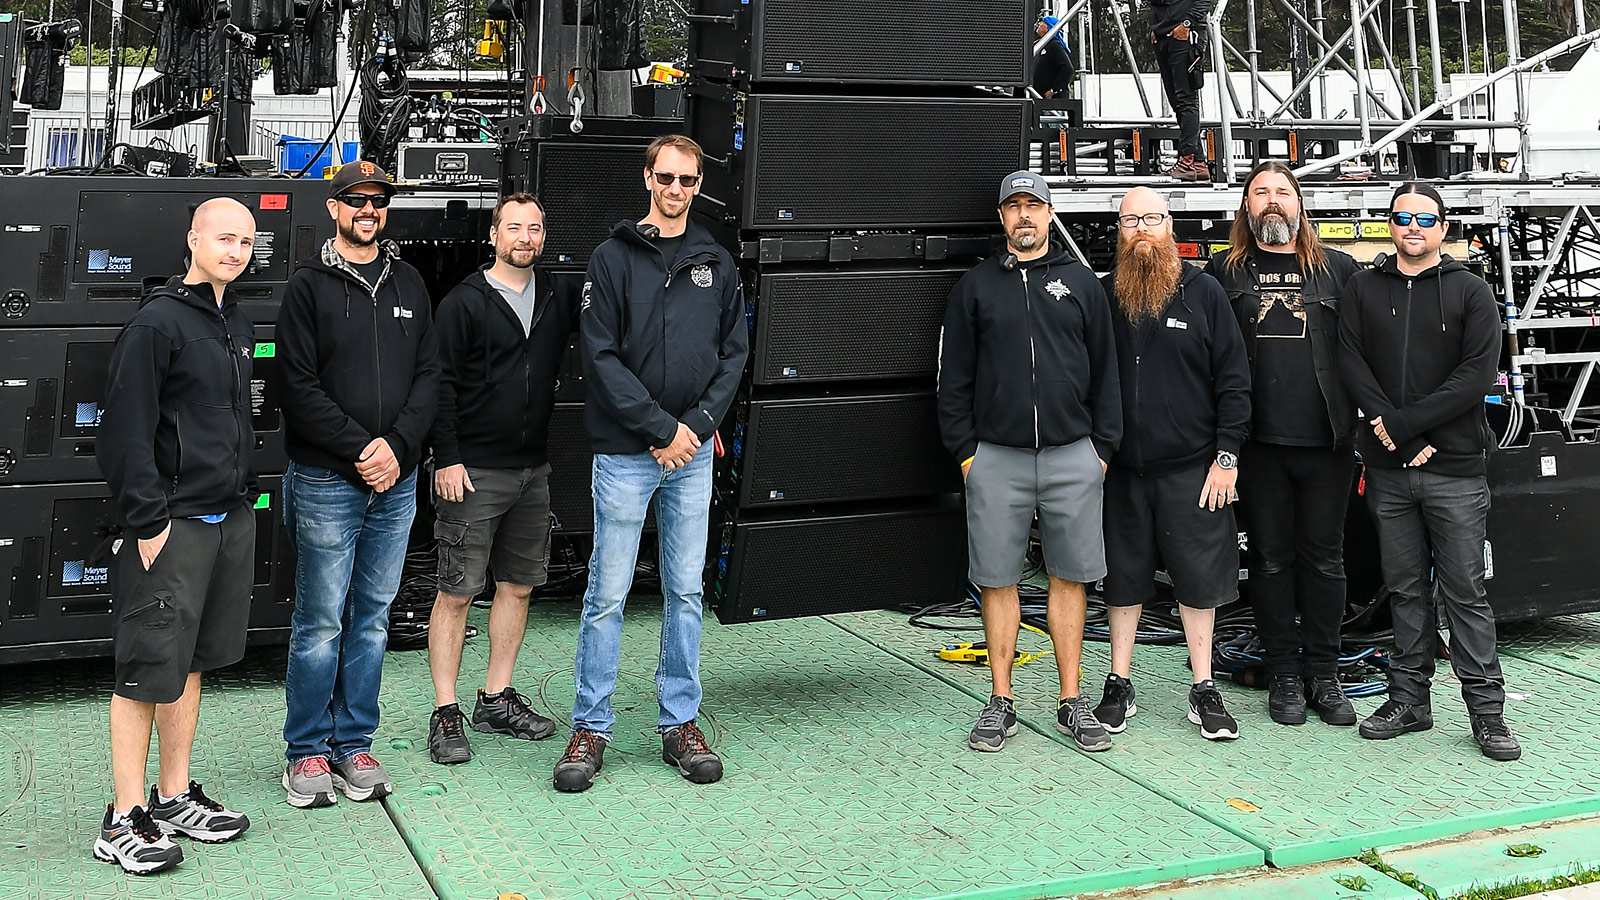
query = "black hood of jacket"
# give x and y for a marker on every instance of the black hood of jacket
(175, 438)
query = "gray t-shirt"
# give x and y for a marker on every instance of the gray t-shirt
(521, 301)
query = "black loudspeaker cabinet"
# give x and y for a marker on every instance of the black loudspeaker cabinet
(1543, 517)
(10, 63)
(811, 565)
(839, 448)
(822, 163)
(52, 386)
(898, 42)
(851, 324)
(76, 251)
(571, 471)
(55, 547)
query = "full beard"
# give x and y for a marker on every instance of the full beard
(509, 257)
(1274, 229)
(1023, 242)
(1147, 275)
(354, 238)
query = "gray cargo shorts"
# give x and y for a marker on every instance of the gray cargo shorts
(1007, 485)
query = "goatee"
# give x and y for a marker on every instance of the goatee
(1148, 269)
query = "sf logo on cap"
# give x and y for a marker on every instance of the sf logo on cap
(368, 168)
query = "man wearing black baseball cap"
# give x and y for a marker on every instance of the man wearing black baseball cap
(360, 387)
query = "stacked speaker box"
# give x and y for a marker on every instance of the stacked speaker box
(853, 173)
(74, 264)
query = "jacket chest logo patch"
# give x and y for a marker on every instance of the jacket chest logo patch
(1058, 289)
(1179, 324)
(588, 291)
(400, 312)
(701, 276)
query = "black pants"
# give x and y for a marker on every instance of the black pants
(1294, 501)
(1427, 519)
(1183, 91)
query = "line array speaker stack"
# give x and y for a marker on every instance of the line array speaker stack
(853, 173)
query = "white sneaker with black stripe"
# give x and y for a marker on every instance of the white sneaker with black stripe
(196, 816)
(135, 843)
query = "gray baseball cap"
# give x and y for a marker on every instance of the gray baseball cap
(1024, 182)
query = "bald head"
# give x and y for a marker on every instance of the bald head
(1142, 200)
(220, 211)
(222, 236)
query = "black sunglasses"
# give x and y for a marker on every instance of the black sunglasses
(1424, 220)
(665, 179)
(356, 200)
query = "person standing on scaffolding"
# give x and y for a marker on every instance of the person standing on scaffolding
(1053, 72)
(1177, 29)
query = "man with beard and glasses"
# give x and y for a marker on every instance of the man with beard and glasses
(1420, 339)
(664, 341)
(1298, 464)
(1185, 409)
(360, 385)
(1028, 402)
(502, 334)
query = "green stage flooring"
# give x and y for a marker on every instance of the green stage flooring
(848, 777)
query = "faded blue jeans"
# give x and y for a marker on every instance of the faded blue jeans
(623, 487)
(351, 546)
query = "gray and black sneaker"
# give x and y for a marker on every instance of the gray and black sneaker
(586, 754)
(1394, 718)
(686, 748)
(1286, 699)
(196, 816)
(996, 722)
(1327, 697)
(447, 736)
(1116, 704)
(135, 843)
(1207, 711)
(361, 778)
(1494, 737)
(309, 783)
(508, 712)
(1076, 720)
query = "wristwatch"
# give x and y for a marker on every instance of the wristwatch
(1227, 460)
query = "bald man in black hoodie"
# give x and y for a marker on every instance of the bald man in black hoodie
(1420, 347)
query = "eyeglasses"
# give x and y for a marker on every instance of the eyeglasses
(1150, 219)
(1423, 220)
(665, 179)
(358, 200)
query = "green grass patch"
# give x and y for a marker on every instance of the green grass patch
(1507, 891)
(1371, 859)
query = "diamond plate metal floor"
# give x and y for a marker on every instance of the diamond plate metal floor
(1318, 793)
(1568, 644)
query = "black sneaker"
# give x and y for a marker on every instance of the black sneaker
(1286, 699)
(1207, 711)
(1076, 720)
(584, 757)
(1394, 718)
(1116, 704)
(447, 736)
(196, 816)
(996, 722)
(136, 844)
(509, 713)
(686, 748)
(1326, 696)
(1494, 737)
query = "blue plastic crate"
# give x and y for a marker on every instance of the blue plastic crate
(294, 152)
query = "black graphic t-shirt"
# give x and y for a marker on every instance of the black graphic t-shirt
(1287, 402)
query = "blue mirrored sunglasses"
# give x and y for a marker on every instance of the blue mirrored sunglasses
(1424, 220)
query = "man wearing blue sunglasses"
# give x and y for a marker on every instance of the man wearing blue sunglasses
(1420, 347)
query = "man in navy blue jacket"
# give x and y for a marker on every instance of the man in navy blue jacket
(664, 343)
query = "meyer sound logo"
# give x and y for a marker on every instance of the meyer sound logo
(88, 415)
(101, 262)
(77, 572)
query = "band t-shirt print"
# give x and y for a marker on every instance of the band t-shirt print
(1287, 403)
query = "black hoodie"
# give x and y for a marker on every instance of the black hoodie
(661, 344)
(1026, 358)
(497, 384)
(1422, 351)
(1165, 16)
(175, 438)
(359, 362)
(1185, 379)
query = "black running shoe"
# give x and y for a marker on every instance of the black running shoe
(1326, 696)
(196, 816)
(1394, 718)
(996, 722)
(136, 844)
(509, 713)
(1116, 704)
(686, 748)
(447, 736)
(585, 756)
(1076, 720)
(1494, 737)
(1207, 711)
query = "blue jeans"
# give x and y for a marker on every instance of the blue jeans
(623, 487)
(351, 546)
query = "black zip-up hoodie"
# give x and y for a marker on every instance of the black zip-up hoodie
(659, 346)
(1026, 358)
(1169, 15)
(175, 437)
(497, 384)
(1422, 351)
(1185, 379)
(359, 362)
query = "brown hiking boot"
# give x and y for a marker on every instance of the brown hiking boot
(686, 748)
(1189, 169)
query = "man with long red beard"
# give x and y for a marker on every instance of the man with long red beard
(1185, 410)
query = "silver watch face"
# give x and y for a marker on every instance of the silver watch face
(1227, 460)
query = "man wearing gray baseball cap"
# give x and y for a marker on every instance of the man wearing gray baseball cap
(1028, 401)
